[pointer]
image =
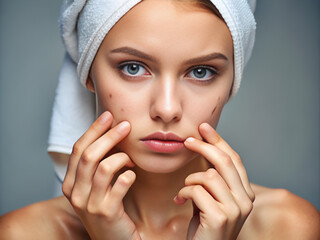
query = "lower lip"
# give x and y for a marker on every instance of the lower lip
(163, 146)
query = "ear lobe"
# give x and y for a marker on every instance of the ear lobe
(90, 85)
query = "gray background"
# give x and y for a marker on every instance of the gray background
(273, 122)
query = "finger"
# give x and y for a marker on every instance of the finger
(100, 126)
(120, 188)
(101, 184)
(201, 198)
(221, 162)
(105, 144)
(213, 183)
(90, 158)
(212, 137)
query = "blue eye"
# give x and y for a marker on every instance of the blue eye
(133, 69)
(202, 73)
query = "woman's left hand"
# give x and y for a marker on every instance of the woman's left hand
(222, 196)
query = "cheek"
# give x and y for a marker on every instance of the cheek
(106, 101)
(216, 112)
(212, 112)
(121, 105)
(215, 116)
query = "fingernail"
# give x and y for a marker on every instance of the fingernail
(211, 132)
(104, 117)
(179, 200)
(122, 126)
(190, 139)
(207, 127)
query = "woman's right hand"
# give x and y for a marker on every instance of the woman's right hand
(87, 184)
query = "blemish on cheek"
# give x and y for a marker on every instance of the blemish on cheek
(214, 110)
(122, 109)
(110, 95)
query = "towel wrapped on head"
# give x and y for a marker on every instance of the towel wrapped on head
(84, 24)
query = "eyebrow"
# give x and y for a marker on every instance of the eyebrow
(207, 57)
(137, 53)
(134, 52)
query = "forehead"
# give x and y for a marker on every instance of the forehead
(171, 25)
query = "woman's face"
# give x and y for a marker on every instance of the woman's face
(165, 67)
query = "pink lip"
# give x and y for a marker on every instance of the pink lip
(163, 142)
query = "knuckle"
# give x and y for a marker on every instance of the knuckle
(66, 189)
(86, 157)
(76, 202)
(235, 212)
(237, 156)
(76, 149)
(252, 196)
(226, 159)
(217, 139)
(221, 220)
(196, 189)
(247, 207)
(109, 214)
(124, 179)
(187, 180)
(211, 174)
(104, 168)
(93, 209)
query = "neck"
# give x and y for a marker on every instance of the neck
(149, 201)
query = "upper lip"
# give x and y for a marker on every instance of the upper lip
(164, 137)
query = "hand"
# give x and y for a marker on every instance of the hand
(222, 196)
(87, 184)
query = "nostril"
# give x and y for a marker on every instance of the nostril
(164, 114)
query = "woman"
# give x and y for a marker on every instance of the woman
(154, 145)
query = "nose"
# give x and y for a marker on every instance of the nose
(166, 101)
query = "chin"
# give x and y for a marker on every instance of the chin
(159, 164)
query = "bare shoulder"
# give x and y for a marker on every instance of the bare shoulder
(52, 219)
(280, 214)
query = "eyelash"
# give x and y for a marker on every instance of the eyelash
(123, 65)
(213, 71)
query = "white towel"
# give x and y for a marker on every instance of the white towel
(73, 110)
(84, 24)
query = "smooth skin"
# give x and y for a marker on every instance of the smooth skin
(115, 188)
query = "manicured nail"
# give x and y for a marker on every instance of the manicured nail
(122, 126)
(104, 117)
